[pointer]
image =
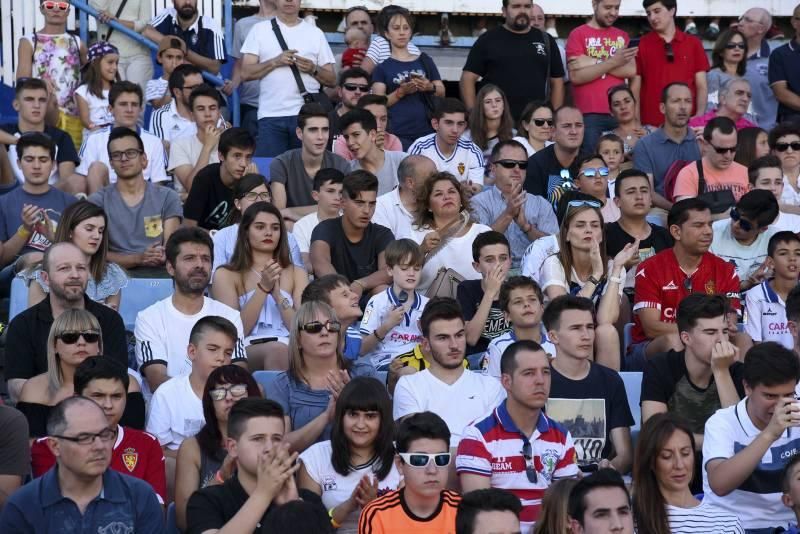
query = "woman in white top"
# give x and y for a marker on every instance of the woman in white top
(663, 468)
(444, 229)
(784, 141)
(263, 284)
(357, 463)
(536, 127)
(592, 275)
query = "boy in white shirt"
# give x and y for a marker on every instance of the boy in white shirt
(390, 325)
(171, 53)
(766, 302)
(766, 173)
(327, 193)
(521, 300)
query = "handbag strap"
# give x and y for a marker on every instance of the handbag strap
(701, 179)
(295, 71)
(447, 233)
(119, 12)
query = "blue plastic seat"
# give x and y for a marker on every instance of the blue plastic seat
(141, 293)
(627, 338)
(633, 388)
(172, 521)
(18, 302)
(265, 379)
(263, 166)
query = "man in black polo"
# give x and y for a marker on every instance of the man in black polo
(66, 272)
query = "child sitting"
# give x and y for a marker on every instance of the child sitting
(91, 97)
(391, 319)
(171, 53)
(612, 149)
(592, 180)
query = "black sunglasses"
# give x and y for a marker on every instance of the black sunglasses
(530, 471)
(315, 327)
(356, 87)
(783, 147)
(733, 46)
(542, 122)
(511, 163)
(670, 52)
(723, 149)
(745, 225)
(70, 338)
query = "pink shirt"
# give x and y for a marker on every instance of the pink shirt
(599, 44)
(390, 144)
(702, 120)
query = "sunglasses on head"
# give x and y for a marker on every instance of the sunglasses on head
(542, 122)
(356, 87)
(511, 163)
(599, 172)
(315, 327)
(723, 149)
(236, 391)
(70, 338)
(670, 52)
(745, 225)
(733, 46)
(687, 284)
(420, 459)
(61, 6)
(783, 147)
(581, 203)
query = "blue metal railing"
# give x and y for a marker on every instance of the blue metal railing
(84, 10)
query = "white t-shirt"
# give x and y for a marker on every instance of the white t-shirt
(95, 148)
(302, 230)
(155, 89)
(186, 151)
(746, 258)
(456, 255)
(494, 352)
(336, 488)
(790, 195)
(280, 96)
(162, 334)
(99, 112)
(465, 163)
(390, 212)
(786, 222)
(553, 275)
(766, 316)
(403, 337)
(731, 430)
(176, 413)
(459, 404)
(167, 124)
(706, 518)
(536, 253)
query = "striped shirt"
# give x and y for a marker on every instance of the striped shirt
(465, 163)
(390, 515)
(380, 50)
(203, 37)
(493, 447)
(706, 518)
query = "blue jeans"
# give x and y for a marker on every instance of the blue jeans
(594, 124)
(249, 119)
(276, 135)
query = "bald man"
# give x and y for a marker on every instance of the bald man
(784, 74)
(397, 208)
(754, 25)
(66, 273)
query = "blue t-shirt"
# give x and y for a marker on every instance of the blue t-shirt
(408, 118)
(54, 202)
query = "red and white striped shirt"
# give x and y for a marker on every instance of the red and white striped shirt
(493, 447)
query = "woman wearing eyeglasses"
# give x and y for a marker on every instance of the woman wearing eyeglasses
(536, 127)
(201, 459)
(262, 283)
(357, 464)
(318, 372)
(74, 336)
(583, 255)
(728, 61)
(622, 104)
(663, 469)
(784, 141)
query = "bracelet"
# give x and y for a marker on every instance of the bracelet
(363, 287)
(593, 280)
(334, 523)
(261, 287)
(23, 232)
(379, 338)
(615, 279)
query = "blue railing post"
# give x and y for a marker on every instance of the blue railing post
(83, 20)
(234, 100)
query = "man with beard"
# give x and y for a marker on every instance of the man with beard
(598, 59)
(446, 387)
(201, 34)
(162, 330)
(175, 119)
(498, 55)
(65, 270)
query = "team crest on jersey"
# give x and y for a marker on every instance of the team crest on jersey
(461, 168)
(549, 462)
(711, 287)
(130, 458)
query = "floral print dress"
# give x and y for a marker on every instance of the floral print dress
(58, 58)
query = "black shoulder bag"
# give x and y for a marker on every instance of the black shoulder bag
(119, 12)
(719, 201)
(309, 98)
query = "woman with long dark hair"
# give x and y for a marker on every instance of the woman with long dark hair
(201, 457)
(357, 463)
(622, 104)
(490, 120)
(662, 468)
(728, 59)
(535, 127)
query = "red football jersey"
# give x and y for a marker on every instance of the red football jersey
(662, 284)
(135, 453)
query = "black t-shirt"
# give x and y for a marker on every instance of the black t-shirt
(517, 63)
(545, 174)
(65, 148)
(616, 239)
(26, 340)
(210, 202)
(211, 507)
(590, 409)
(353, 260)
(469, 295)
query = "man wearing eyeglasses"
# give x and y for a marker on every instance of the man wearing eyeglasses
(353, 84)
(82, 490)
(754, 25)
(667, 55)
(508, 208)
(517, 447)
(734, 102)
(175, 119)
(720, 171)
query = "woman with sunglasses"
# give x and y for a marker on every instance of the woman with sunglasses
(592, 275)
(262, 283)
(622, 104)
(663, 469)
(74, 336)
(490, 120)
(84, 224)
(784, 141)
(317, 373)
(536, 126)
(728, 61)
(201, 459)
(357, 463)
(444, 228)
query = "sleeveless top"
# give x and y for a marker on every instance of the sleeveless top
(58, 58)
(209, 465)
(269, 322)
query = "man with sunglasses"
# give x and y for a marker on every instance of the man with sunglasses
(378, 105)
(424, 504)
(667, 55)
(720, 171)
(518, 447)
(353, 84)
(754, 25)
(82, 490)
(784, 74)
(135, 453)
(508, 208)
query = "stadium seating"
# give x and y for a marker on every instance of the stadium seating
(172, 524)
(633, 388)
(141, 293)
